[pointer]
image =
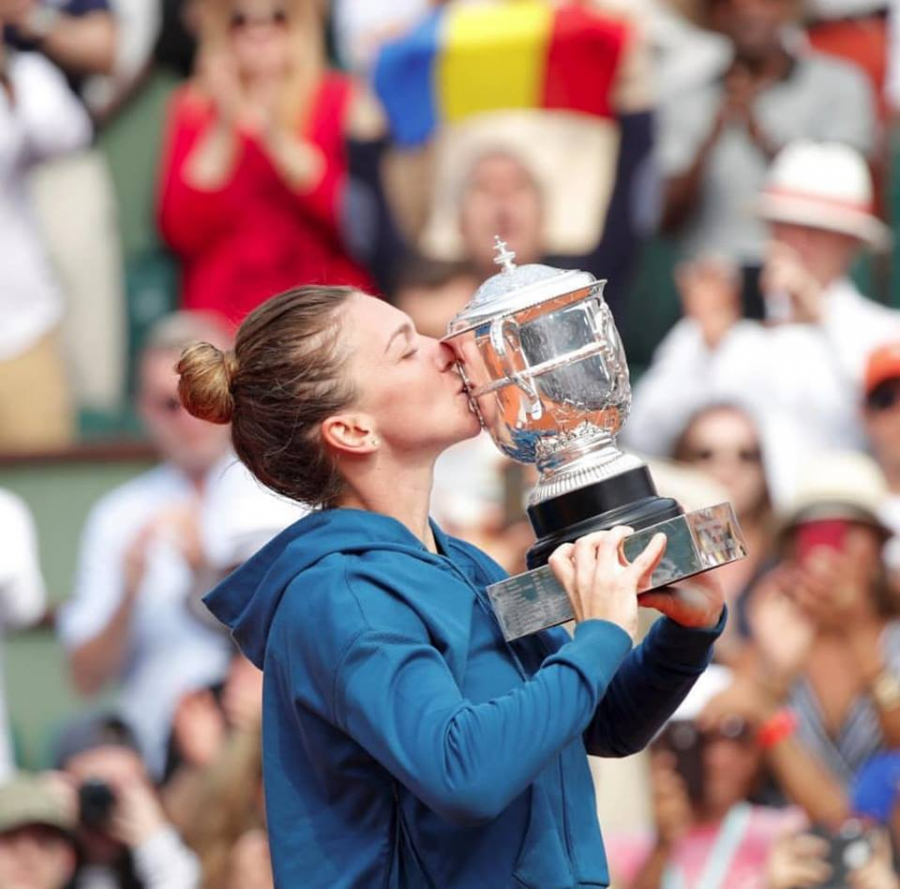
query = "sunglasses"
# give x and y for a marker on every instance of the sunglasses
(278, 18)
(743, 455)
(884, 397)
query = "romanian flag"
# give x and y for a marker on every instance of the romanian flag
(468, 58)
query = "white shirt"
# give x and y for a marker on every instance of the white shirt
(802, 382)
(44, 120)
(22, 593)
(171, 649)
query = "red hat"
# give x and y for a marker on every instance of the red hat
(883, 365)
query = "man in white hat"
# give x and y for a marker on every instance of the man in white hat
(801, 371)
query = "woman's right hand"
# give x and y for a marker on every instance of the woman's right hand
(600, 582)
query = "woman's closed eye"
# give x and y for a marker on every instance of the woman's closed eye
(411, 353)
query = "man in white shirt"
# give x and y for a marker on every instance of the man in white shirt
(40, 118)
(154, 545)
(799, 374)
(22, 594)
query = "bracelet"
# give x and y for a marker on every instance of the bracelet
(774, 730)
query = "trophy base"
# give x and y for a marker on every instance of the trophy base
(629, 498)
(696, 542)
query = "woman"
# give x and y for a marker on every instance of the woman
(723, 441)
(255, 171)
(405, 743)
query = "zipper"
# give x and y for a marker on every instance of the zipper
(486, 607)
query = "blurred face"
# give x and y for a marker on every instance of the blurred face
(192, 445)
(501, 198)
(258, 31)
(826, 255)
(731, 763)
(406, 383)
(36, 857)
(881, 414)
(432, 308)
(752, 25)
(724, 444)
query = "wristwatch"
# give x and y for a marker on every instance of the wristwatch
(886, 690)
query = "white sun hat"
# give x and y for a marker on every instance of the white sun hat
(823, 185)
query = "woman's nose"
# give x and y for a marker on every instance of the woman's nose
(446, 357)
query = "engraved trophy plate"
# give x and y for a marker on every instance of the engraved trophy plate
(695, 542)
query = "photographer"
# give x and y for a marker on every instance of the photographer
(123, 832)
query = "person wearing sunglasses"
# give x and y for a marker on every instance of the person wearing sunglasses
(254, 174)
(151, 546)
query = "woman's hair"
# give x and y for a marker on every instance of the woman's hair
(277, 386)
(306, 32)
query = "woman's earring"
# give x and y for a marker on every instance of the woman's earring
(375, 442)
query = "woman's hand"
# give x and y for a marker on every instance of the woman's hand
(600, 582)
(797, 861)
(695, 602)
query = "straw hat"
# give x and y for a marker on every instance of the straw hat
(571, 156)
(823, 185)
(30, 800)
(837, 485)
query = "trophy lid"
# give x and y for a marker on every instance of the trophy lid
(516, 288)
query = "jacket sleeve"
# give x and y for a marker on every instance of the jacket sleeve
(395, 695)
(650, 684)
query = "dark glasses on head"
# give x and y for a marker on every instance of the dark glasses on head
(240, 20)
(705, 455)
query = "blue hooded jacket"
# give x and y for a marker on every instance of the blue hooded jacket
(405, 743)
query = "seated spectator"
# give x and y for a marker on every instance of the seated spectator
(123, 832)
(153, 546)
(825, 689)
(37, 834)
(723, 441)
(79, 36)
(705, 770)
(718, 136)
(433, 292)
(801, 373)
(254, 173)
(22, 594)
(881, 400)
(39, 119)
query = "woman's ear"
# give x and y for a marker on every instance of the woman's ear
(351, 434)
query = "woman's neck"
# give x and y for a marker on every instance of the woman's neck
(403, 494)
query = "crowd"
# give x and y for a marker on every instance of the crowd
(384, 145)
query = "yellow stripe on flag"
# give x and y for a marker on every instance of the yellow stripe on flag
(493, 56)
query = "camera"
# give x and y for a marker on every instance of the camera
(96, 801)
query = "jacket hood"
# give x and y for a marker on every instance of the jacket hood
(246, 601)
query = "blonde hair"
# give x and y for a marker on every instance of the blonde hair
(306, 25)
(280, 383)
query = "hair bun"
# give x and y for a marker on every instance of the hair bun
(205, 385)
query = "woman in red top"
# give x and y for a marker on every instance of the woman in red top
(255, 167)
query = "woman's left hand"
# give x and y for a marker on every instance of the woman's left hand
(696, 602)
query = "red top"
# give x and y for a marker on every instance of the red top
(256, 235)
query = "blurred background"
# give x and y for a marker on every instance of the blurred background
(731, 168)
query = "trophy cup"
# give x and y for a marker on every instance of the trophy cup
(546, 374)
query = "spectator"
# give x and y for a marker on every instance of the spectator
(22, 595)
(881, 390)
(39, 118)
(723, 441)
(79, 36)
(123, 832)
(152, 546)
(433, 292)
(825, 627)
(718, 136)
(255, 170)
(705, 771)
(801, 374)
(37, 834)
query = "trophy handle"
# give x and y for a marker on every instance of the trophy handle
(505, 331)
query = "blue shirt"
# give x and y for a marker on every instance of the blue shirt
(405, 743)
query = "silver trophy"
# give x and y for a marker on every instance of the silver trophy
(546, 374)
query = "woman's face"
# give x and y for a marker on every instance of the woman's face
(258, 31)
(724, 444)
(407, 383)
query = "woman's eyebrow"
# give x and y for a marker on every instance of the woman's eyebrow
(405, 329)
